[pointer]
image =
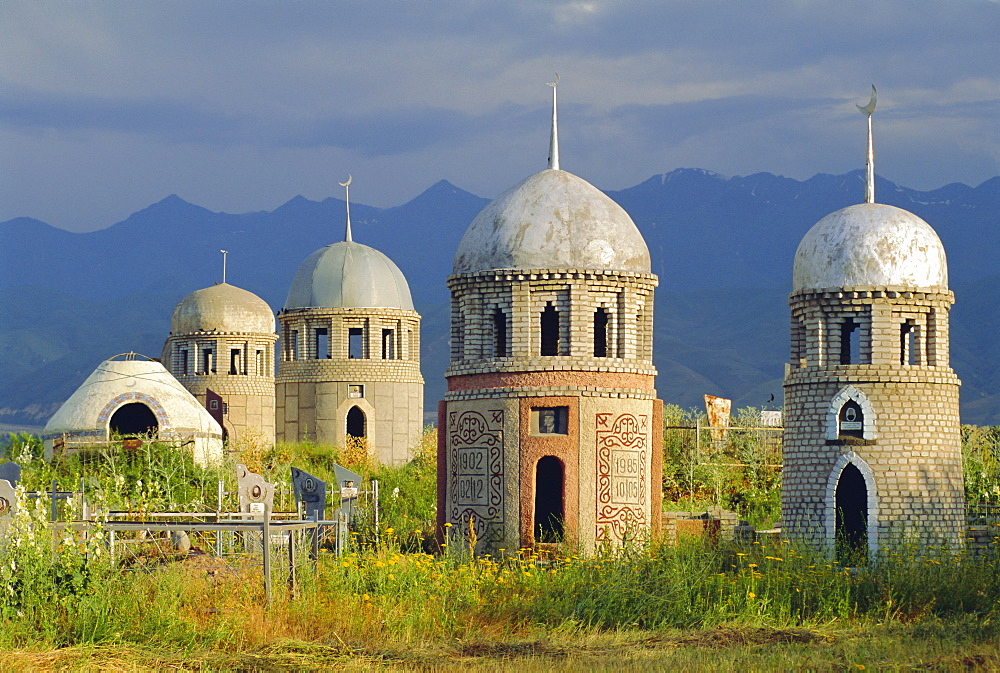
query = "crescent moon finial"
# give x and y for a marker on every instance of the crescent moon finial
(870, 164)
(347, 204)
(868, 109)
(555, 82)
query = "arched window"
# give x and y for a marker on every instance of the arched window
(356, 423)
(549, 330)
(849, 408)
(134, 418)
(549, 510)
(601, 318)
(499, 334)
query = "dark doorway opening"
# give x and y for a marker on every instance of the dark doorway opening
(322, 343)
(356, 423)
(356, 343)
(601, 333)
(388, 344)
(850, 342)
(907, 344)
(550, 330)
(852, 517)
(499, 334)
(549, 509)
(134, 418)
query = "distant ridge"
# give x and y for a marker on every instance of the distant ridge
(722, 247)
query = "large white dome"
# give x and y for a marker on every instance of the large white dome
(222, 308)
(870, 244)
(552, 220)
(348, 275)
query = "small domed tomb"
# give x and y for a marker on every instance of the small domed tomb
(549, 433)
(133, 397)
(221, 348)
(350, 357)
(872, 445)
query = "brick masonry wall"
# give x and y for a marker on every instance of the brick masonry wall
(911, 449)
(249, 394)
(314, 393)
(610, 451)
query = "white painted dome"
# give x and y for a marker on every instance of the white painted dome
(222, 308)
(870, 244)
(552, 220)
(349, 275)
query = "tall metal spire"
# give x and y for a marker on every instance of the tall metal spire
(870, 177)
(347, 202)
(224, 253)
(554, 137)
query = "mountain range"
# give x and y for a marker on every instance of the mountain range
(722, 248)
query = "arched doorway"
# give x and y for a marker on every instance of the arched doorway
(134, 418)
(549, 510)
(356, 423)
(851, 504)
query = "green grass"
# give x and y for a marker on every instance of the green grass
(388, 603)
(764, 607)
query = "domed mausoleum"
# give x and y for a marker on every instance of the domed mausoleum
(550, 429)
(131, 396)
(350, 357)
(872, 446)
(221, 348)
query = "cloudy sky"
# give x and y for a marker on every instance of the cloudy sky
(106, 107)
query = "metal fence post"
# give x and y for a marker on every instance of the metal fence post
(378, 538)
(218, 517)
(291, 560)
(315, 540)
(266, 545)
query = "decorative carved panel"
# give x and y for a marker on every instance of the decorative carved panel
(622, 450)
(475, 480)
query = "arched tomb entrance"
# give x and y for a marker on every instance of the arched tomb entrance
(549, 501)
(851, 512)
(134, 418)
